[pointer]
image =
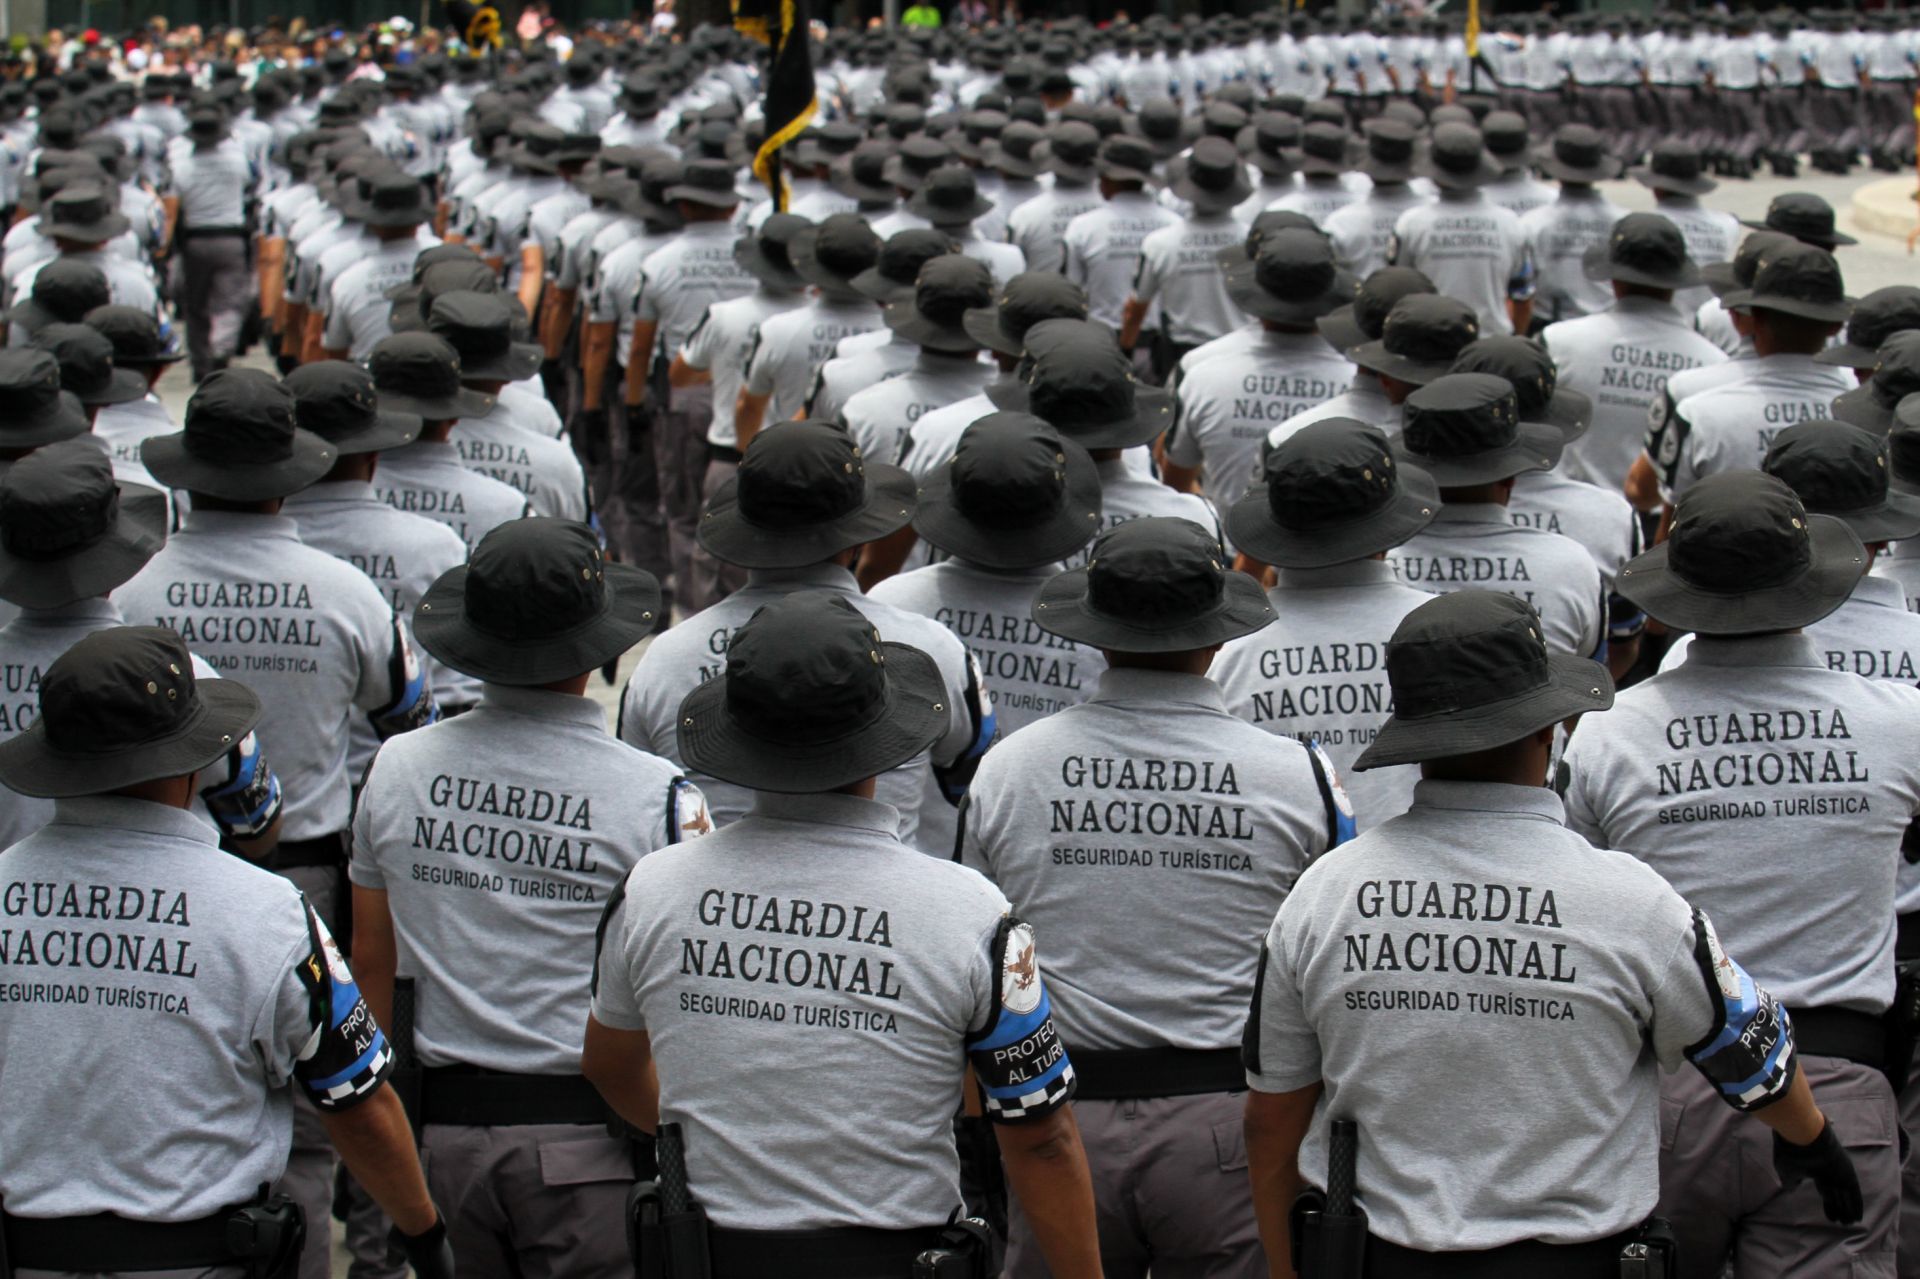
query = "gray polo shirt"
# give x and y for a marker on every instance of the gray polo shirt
(1178, 268)
(893, 972)
(1101, 250)
(213, 183)
(1318, 673)
(519, 819)
(1149, 803)
(1125, 495)
(880, 416)
(881, 355)
(428, 478)
(1478, 546)
(359, 312)
(1600, 519)
(149, 974)
(791, 347)
(686, 275)
(1039, 226)
(721, 344)
(1901, 563)
(1476, 939)
(695, 651)
(1472, 249)
(1365, 401)
(1773, 793)
(1558, 237)
(542, 468)
(1362, 232)
(1730, 425)
(1228, 406)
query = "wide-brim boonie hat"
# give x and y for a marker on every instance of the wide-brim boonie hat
(1486, 169)
(138, 529)
(466, 402)
(443, 628)
(1831, 240)
(1825, 312)
(1838, 559)
(1605, 169)
(1574, 686)
(99, 231)
(921, 206)
(385, 430)
(1598, 264)
(169, 460)
(1251, 526)
(1374, 357)
(727, 534)
(904, 316)
(1063, 609)
(1861, 407)
(68, 419)
(1848, 355)
(1243, 286)
(1536, 446)
(227, 712)
(1181, 184)
(520, 361)
(123, 386)
(752, 257)
(1646, 177)
(1342, 329)
(914, 717)
(940, 521)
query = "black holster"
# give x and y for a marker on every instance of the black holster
(406, 1075)
(1326, 1247)
(965, 1252)
(666, 1229)
(269, 1237)
(1903, 1023)
(1652, 1253)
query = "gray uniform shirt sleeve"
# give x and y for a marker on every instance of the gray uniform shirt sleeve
(1280, 1050)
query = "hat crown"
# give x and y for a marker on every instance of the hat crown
(1213, 165)
(479, 326)
(1675, 159)
(1036, 296)
(1274, 132)
(118, 688)
(67, 290)
(533, 578)
(57, 500)
(951, 187)
(709, 175)
(1330, 472)
(1579, 146)
(1463, 651)
(1081, 382)
(240, 416)
(1157, 572)
(1380, 292)
(1523, 364)
(805, 669)
(1461, 415)
(800, 474)
(1456, 148)
(1833, 467)
(1390, 141)
(1799, 214)
(1009, 471)
(1883, 313)
(1324, 141)
(951, 285)
(29, 383)
(845, 245)
(1896, 370)
(134, 333)
(84, 354)
(332, 398)
(1295, 265)
(1800, 272)
(905, 253)
(425, 365)
(81, 203)
(1739, 531)
(1429, 327)
(1647, 242)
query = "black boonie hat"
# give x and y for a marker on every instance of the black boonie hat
(419, 373)
(934, 314)
(1896, 375)
(648, 201)
(1363, 319)
(1844, 471)
(862, 174)
(904, 119)
(537, 602)
(1019, 150)
(1390, 146)
(978, 128)
(823, 144)
(1268, 141)
(1798, 279)
(1326, 149)
(139, 340)
(34, 410)
(831, 253)
(241, 442)
(209, 124)
(802, 495)
(86, 365)
(1265, 223)
(1422, 336)
(393, 200)
(708, 182)
(812, 700)
(1727, 277)
(950, 197)
(914, 159)
(1083, 385)
(1125, 159)
(1805, 217)
(1471, 671)
(1578, 153)
(1293, 280)
(335, 400)
(1220, 119)
(1162, 124)
(68, 530)
(1903, 446)
(1744, 557)
(1027, 299)
(1070, 150)
(122, 707)
(437, 281)
(1876, 317)
(1331, 493)
(1153, 585)
(897, 268)
(1210, 177)
(1456, 157)
(1645, 249)
(1507, 139)
(1465, 429)
(766, 254)
(63, 292)
(1015, 495)
(1529, 369)
(1674, 165)
(85, 213)
(535, 146)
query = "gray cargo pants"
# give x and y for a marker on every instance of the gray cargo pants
(214, 289)
(680, 458)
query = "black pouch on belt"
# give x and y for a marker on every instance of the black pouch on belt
(1652, 1253)
(965, 1252)
(268, 1237)
(1330, 1230)
(1903, 1023)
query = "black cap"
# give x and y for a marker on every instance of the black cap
(1875, 318)
(1507, 136)
(708, 182)
(1331, 493)
(1645, 249)
(1071, 149)
(914, 159)
(1798, 279)
(83, 212)
(1125, 159)
(1465, 429)
(1455, 156)
(934, 314)
(34, 410)
(336, 401)
(1153, 585)
(1422, 336)
(241, 442)
(1268, 142)
(1293, 280)
(1578, 154)
(1026, 300)
(1211, 176)
(68, 530)
(1363, 319)
(63, 292)
(1390, 147)
(1844, 471)
(140, 341)
(897, 268)
(1084, 386)
(950, 197)
(1325, 149)
(393, 200)
(1015, 495)
(1528, 367)
(1804, 216)
(86, 365)
(803, 494)
(419, 373)
(831, 253)
(1674, 165)
(1019, 151)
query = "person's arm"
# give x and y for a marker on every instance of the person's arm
(681, 374)
(171, 205)
(881, 559)
(310, 344)
(1131, 318)
(375, 1141)
(619, 1063)
(1521, 309)
(1184, 479)
(273, 279)
(255, 847)
(557, 315)
(533, 266)
(1047, 1169)
(1276, 1125)
(596, 353)
(1643, 484)
(375, 955)
(749, 414)
(639, 357)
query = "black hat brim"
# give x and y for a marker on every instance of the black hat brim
(466, 402)
(1824, 312)
(1456, 179)
(1062, 608)
(880, 288)
(68, 419)
(709, 196)
(1374, 357)
(727, 534)
(1574, 686)
(1668, 182)
(1861, 407)
(1835, 240)
(123, 386)
(940, 522)
(1536, 447)
(1243, 287)
(983, 322)
(1123, 173)
(1896, 518)
(1838, 561)
(841, 179)
(1252, 529)
(1719, 277)
(108, 227)
(1207, 201)
(1341, 329)
(808, 266)
(387, 430)
(1597, 264)
(903, 316)
(414, 215)
(1387, 171)
(521, 360)
(442, 627)
(1569, 412)
(1008, 394)
(712, 742)
(1274, 166)
(168, 461)
(1560, 171)
(921, 206)
(1848, 356)
(31, 766)
(138, 530)
(1152, 415)
(753, 259)
(1004, 162)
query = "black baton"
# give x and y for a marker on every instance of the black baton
(682, 1221)
(1343, 1227)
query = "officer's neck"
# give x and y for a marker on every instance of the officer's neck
(208, 502)
(1498, 493)
(1521, 763)
(171, 792)
(436, 432)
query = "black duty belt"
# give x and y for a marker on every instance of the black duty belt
(105, 1242)
(721, 453)
(495, 1099)
(291, 854)
(1528, 1259)
(212, 232)
(849, 1252)
(1130, 1074)
(1841, 1032)
(1906, 936)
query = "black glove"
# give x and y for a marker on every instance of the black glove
(1825, 1160)
(429, 1253)
(590, 434)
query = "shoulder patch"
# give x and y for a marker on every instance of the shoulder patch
(1020, 971)
(688, 816)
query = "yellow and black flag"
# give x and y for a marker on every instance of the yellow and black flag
(791, 104)
(477, 24)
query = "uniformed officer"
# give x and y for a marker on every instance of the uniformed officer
(717, 354)
(1876, 317)
(948, 367)
(907, 969)
(419, 374)
(1676, 175)
(242, 995)
(862, 359)
(1621, 357)
(1895, 376)
(1362, 231)
(1356, 324)
(1730, 330)
(1467, 431)
(1225, 407)
(1178, 268)
(1213, 820)
(87, 370)
(1477, 928)
(1330, 504)
(1324, 161)
(805, 500)
(1101, 247)
(356, 303)
(1797, 303)
(63, 290)
(1722, 773)
(950, 202)
(1470, 247)
(213, 179)
(1039, 225)
(1509, 142)
(82, 222)
(148, 347)
(1560, 234)
(516, 1141)
(313, 635)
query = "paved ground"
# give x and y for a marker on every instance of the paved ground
(1879, 260)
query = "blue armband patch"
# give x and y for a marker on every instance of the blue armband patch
(346, 1057)
(413, 705)
(1748, 1053)
(249, 801)
(1341, 826)
(1018, 1056)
